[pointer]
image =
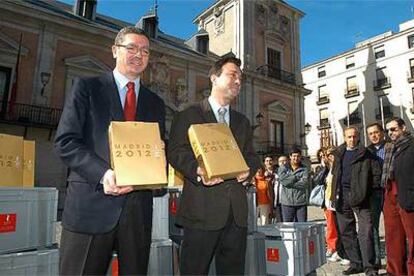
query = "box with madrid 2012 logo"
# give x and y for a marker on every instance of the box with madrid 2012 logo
(137, 155)
(216, 150)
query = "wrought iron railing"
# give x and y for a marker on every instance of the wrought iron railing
(386, 111)
(29, 115)
(276, 73)
(382, 83)
(272, 148)
(354, 119)
(324, 123)
(351, 91)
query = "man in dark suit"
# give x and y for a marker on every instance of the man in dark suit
(99, 216)
(214, 212)
(376, 136)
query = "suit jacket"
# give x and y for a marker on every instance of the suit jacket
(205, 207)
(376, 181)
(364, 168)
(82, 143)
(403, 174)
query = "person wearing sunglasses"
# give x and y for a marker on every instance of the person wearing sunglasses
(397, 179)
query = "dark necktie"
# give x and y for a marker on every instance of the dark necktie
(222, 115)
(130, 107)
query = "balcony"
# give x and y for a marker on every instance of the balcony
(386, 110)
(273, 148)
(351, 92)
(29, 115)
(354, 119)
(323, 100)
(324, 123)
(381, 84)
(276, 73)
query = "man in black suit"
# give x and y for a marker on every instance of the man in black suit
(99, 216)
(214, 212)
(376, 136)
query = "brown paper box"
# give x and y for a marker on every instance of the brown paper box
(137, 154)
(28, 163)
(175, 178)
(216, 150)
(11, 160)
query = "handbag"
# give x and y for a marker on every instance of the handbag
(317, 196)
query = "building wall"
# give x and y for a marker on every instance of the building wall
(222, 30)
(399, 94)
(264, 24)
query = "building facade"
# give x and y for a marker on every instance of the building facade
(45, 45)
(369, 83)
(265, 35)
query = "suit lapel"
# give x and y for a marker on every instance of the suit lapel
(111, 90)
(142, 104)
(206, 112)
(236, 126)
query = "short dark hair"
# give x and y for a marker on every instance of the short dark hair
(267, 156)
(128, 30)
(399, 121)
(375, 124)
(295, 149)
(217, 67)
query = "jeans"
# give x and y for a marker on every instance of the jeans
(294, 213)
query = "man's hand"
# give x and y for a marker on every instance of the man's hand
(243, 176)
(109, 185)
(211, 182)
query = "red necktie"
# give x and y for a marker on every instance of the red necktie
(130, 107)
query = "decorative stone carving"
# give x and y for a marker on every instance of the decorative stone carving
(181, 96)
(284, 26)
(260, 11)
(272, 17)
(160, 77)
(218, 21)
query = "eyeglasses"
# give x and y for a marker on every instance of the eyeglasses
(392, 129)
(134, 50)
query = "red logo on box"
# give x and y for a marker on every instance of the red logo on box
(311, 248)
(272, 255)
(173, 206)
(7, 223)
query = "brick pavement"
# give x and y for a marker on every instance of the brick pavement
(331, 269)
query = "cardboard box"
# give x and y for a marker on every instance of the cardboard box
(28, 163)
(175, 178)
(137, 154)
(11, 160)
(216, 150)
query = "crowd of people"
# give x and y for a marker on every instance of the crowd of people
(359, 183)
(100, 216)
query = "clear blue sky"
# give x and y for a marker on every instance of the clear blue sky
(328, 28)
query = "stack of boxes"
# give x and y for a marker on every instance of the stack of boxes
(27, 214)
(294, 248)
(160, 259)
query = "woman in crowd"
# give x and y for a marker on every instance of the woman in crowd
(335, 250)
(264, 196)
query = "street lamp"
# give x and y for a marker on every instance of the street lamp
(44, 78)
(308, 128)
(259, 121)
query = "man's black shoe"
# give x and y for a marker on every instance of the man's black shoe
(352, 270)
(371, 272)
